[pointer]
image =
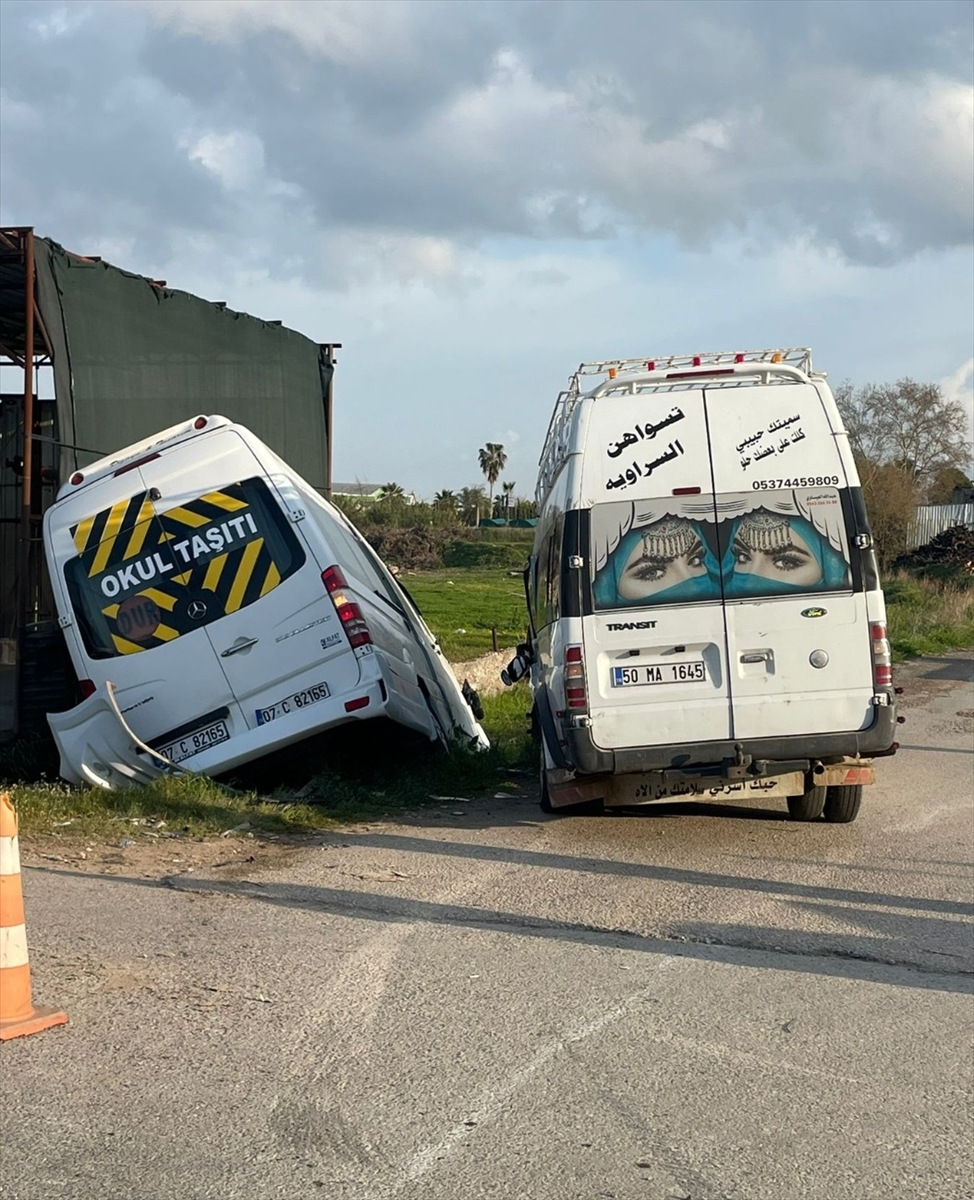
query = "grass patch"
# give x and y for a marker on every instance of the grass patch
(928, 614)
(462, 606)
(363, 771)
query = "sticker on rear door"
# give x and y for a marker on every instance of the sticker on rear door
(143, 577)
(682, 549)
(292, 704)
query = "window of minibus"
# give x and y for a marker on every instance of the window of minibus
(695, 549)
(149, 577)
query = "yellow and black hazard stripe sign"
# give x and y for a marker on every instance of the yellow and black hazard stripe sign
(163, 574)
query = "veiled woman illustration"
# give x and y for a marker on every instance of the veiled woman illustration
(666, 560)
(770, 553)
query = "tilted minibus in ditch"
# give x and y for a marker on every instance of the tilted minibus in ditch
(216, 608)
(706, 614)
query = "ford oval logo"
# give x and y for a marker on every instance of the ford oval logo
(814, 612)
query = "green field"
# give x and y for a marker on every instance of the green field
(461, 607)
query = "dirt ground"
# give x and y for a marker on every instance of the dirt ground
(240, 851)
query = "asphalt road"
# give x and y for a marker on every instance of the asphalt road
(480, 1001)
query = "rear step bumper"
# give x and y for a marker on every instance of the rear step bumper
(589, 759)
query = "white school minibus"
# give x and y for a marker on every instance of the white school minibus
(216, 608)
(706, 618)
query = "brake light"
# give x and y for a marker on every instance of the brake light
(199, 423)
(355, 626)
(138, 463)
(87, 688)
(356, 704)
(882, 662)
(576, 695)
(698, 374)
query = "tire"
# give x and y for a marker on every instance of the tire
(809, 806)
(842, 803)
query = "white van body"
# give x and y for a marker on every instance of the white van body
(217, 608)
(706, 615)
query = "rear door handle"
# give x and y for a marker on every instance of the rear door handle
(238, 646)
(753, 658)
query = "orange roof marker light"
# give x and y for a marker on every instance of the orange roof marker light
(777, 357)
(613, 372)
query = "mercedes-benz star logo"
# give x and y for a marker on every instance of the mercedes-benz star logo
(197, 610)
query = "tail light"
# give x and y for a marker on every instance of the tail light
(87, 688)
(882, 663)
(576, 695)
(349, 613)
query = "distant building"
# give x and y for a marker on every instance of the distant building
(368, 493)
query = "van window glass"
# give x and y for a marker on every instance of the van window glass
(142, 578)
(695, 549)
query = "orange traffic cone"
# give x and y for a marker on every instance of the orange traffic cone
(18, 1016)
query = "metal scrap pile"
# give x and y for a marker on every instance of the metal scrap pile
(952, 548)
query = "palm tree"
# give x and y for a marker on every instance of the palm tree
(508, 490)
(446, 499)
(473, 501)
(492, 460)
(392, 491)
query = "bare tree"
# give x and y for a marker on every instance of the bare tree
(907, 423)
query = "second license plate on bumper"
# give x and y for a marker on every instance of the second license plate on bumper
(652, 673)
(290, 704)
(194, 743)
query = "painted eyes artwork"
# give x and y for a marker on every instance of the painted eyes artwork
(682, 557)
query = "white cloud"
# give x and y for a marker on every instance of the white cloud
(958, 386)
(341, 31)
(236, 158)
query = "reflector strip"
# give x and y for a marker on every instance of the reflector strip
(186, 516)
(222, 500)
(213, 573)
(244, 572)
(272, 580)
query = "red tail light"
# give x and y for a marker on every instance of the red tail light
(349, 613)
(138, 463)
(357, 703)
(576, 695)
(882, 662)
(87, 688)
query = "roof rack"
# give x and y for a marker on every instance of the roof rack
(673, 365)
(795, 356)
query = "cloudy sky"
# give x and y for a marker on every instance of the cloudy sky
(473, 197)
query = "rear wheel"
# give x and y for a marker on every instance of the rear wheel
(809, 806)
(842, 803)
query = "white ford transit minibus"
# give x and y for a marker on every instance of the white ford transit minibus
(216, 608)
(706, 614)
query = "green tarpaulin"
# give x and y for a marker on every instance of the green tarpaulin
(131, 358)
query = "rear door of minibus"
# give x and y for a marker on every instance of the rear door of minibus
(250, 577)
(655, 640)
(798, 633)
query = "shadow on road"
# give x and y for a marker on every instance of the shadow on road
(650, 871)
(877, 960)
